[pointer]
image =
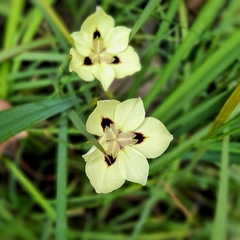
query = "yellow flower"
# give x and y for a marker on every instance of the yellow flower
(128, 139)
(102, 50)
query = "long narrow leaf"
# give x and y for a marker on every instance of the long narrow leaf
(227, 109)
(199, 79)
(11, 52)
(8, 41)
(220, 228)
(61, 224)
(144, 16)
(153, 46)
(19, 118)
(55, 21)
(31, 189)
(204, 19)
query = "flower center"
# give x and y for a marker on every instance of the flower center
(99, 54)
(116, 140)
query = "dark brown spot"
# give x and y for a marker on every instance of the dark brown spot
(87, 61)
(70, 56)
(106, 122)
(96, 34)
(139, 136)
(109, 159)
(116, 60)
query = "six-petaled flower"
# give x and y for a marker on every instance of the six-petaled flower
(102, 50)
(128, 138)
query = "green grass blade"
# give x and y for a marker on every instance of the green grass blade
(55, 21)
(219, 231)
(152, 4)
(42, 56)
(146, 211)
(8, 41)
(211, 68)
(194, 114)
(12, 22)
(227, 109)
(205, 18)
(36, 19)
(19, 118)
(61, 223)
(31, 189)
(81, 127)
(11, 52)
(183, 15)
(153, 46)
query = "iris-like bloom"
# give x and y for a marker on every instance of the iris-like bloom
(128, 139)
(102, 50)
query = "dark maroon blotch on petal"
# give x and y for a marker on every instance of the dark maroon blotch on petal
(116, 60)
(87, 61)
(139, 137)
(106, 122)
(109, 159)
(96, 34)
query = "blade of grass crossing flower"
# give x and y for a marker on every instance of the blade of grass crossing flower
(81, 127)
(152, 4)
(61, 222)
(206, 73)
(8, 41)
(36, 195)
(227, 109)
(205, 18)
(55, 21)
(219, 231)
(151, 50)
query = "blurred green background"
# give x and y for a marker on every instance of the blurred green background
(190, 52)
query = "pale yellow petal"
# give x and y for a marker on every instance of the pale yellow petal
(103, 178)
(102, 114)
(77, 65)
(104, 73)
(128, 63)
(117, 40)
(129, 114)
(99, 21)
(82, 43)
(156, 138)
(133, 165)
